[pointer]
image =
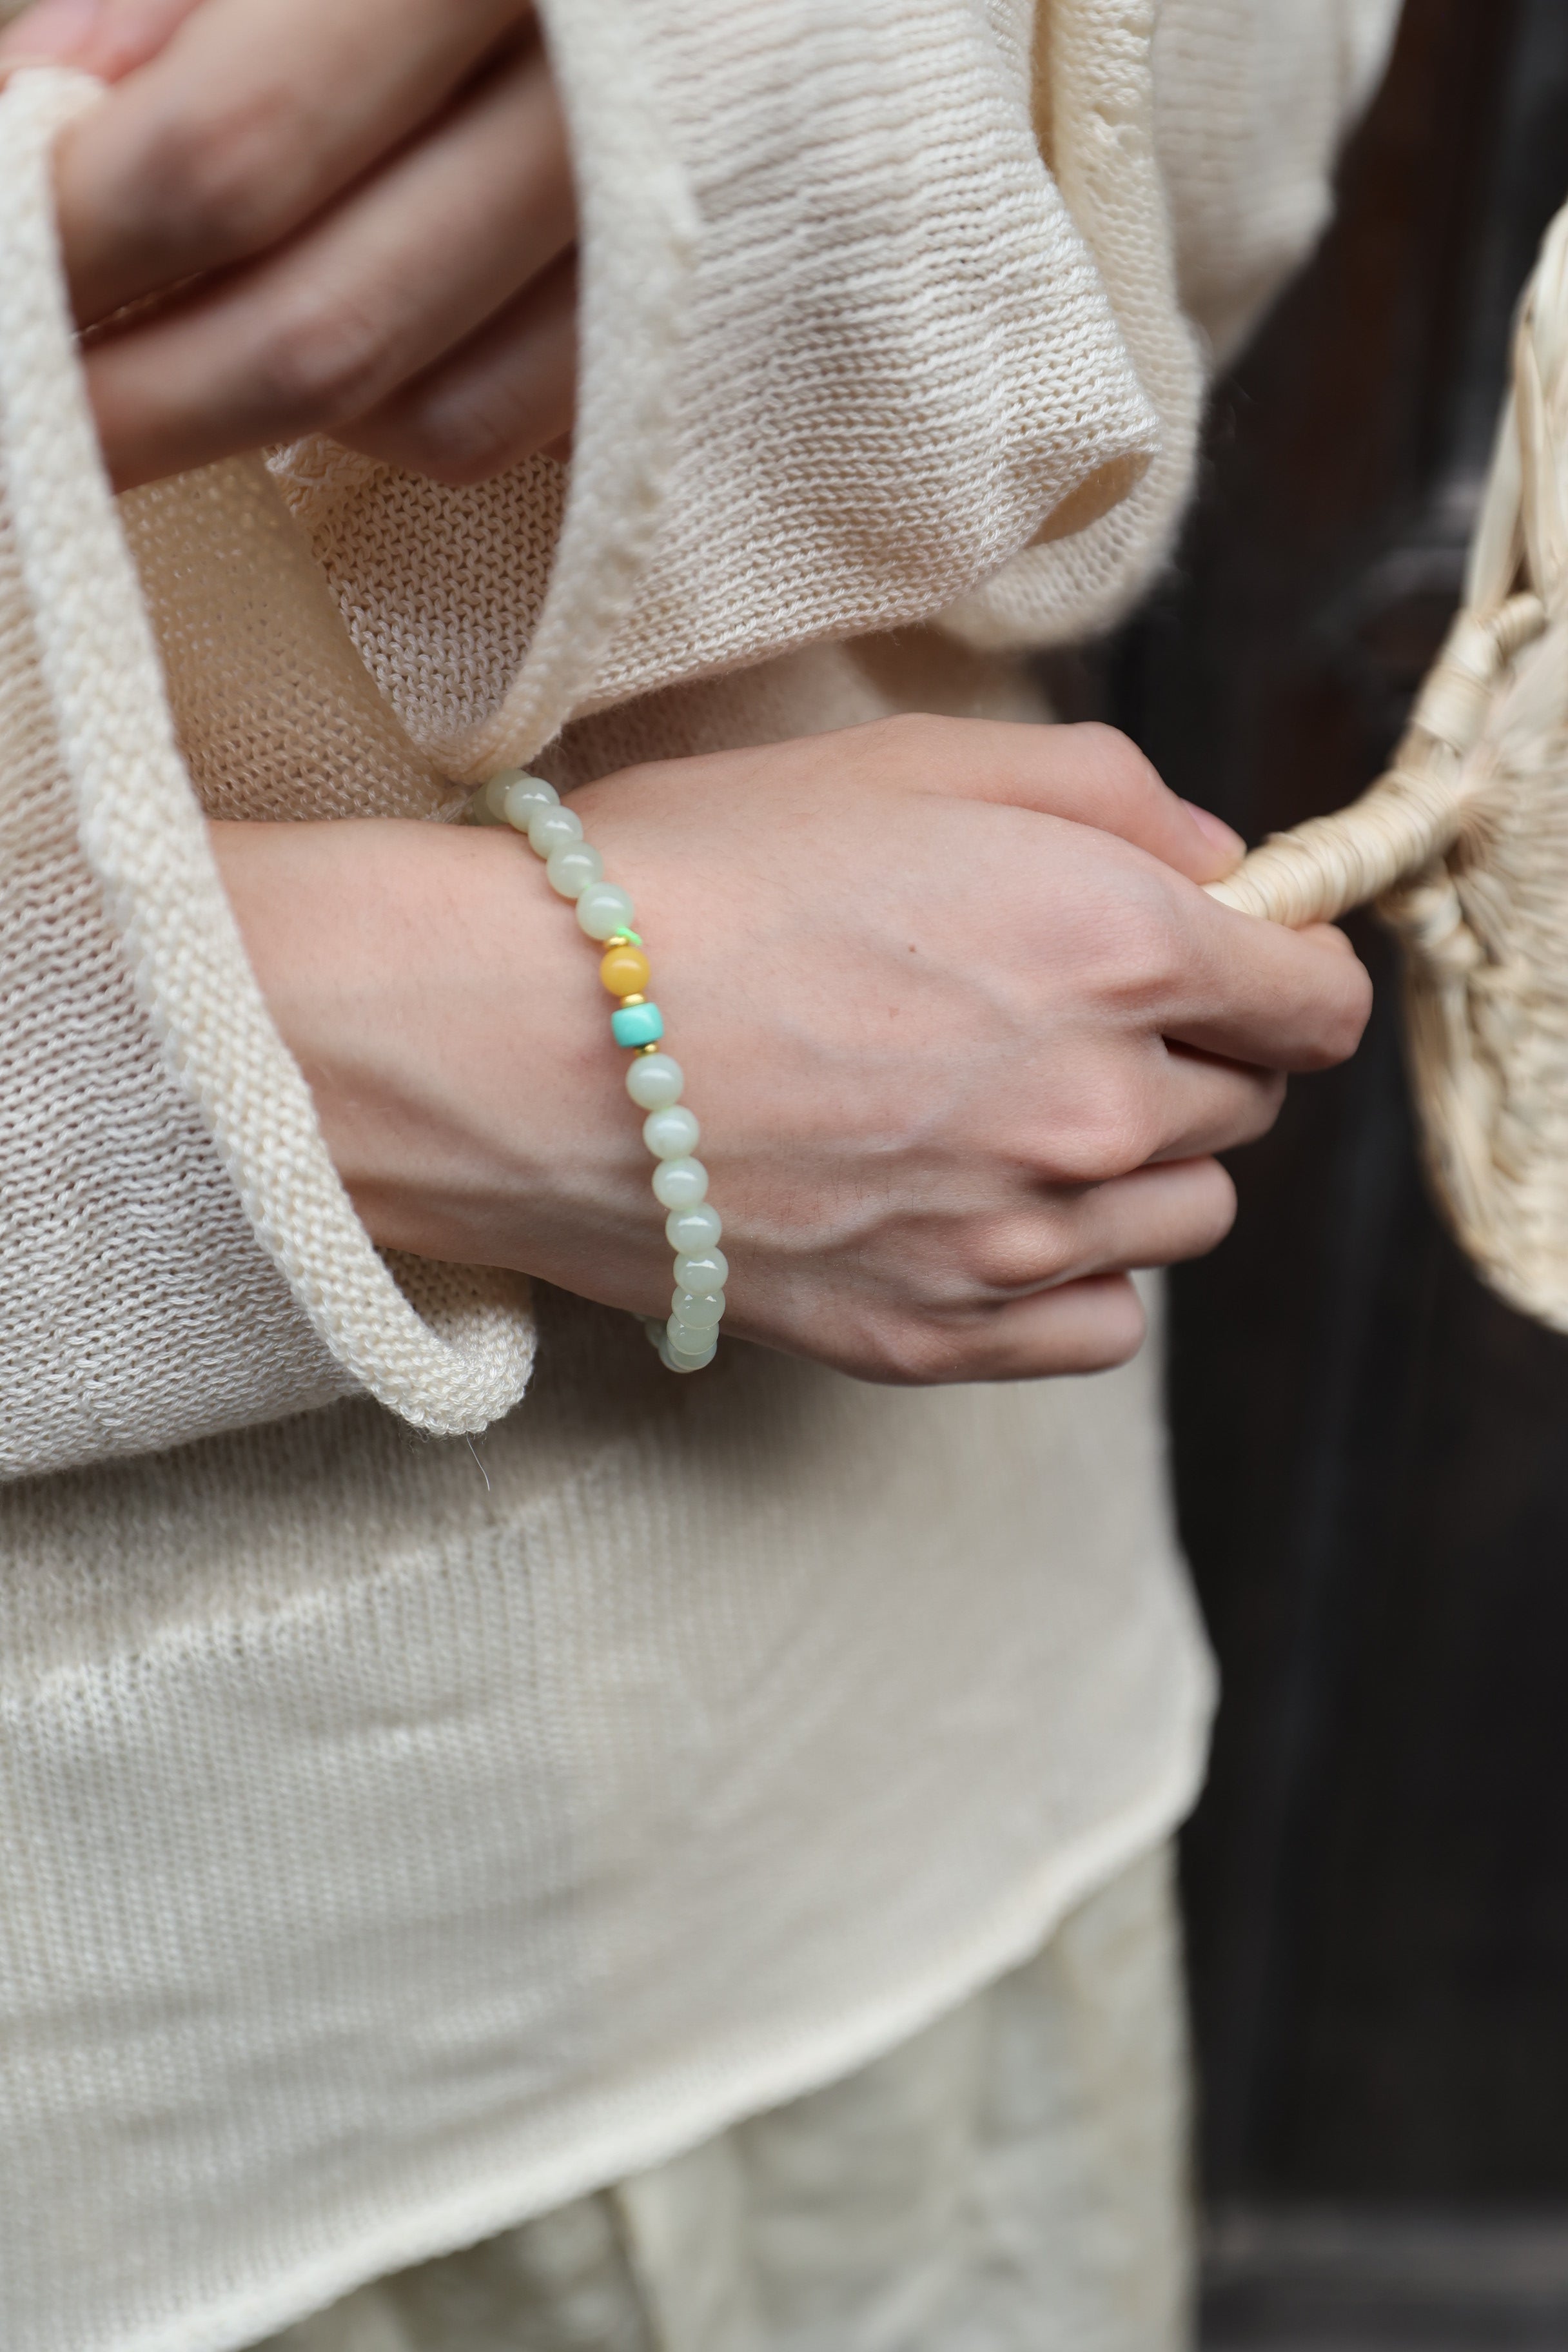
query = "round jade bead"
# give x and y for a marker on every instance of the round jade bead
(625, 972)
(698, 1310)
(524, 798)
(687, 1231)
(670, 1134)
(552, 828)
(685, 1339)
(676, 1360)
(604, 909)
(708, 1272)
(679, 1183)
(655, 1080)
(570, 870)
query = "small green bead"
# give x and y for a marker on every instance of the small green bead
(637, 1024)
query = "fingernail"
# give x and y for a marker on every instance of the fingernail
(1216, 830)
(49, 32)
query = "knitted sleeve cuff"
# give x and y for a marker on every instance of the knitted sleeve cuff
(180, 1255)
(844, 351)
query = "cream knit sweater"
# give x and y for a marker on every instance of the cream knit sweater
(399, 1835)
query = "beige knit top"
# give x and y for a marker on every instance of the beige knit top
(415, 1810)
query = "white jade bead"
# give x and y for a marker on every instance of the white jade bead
(676, 1360)
(690, 1338)
(698, 1310)
(573, 869)
(552, 828)
(654, 1080)
(603, 911)
(524, 798)
(670, 1134)
(709, 1272)
(679, 1183)
(690, 1230)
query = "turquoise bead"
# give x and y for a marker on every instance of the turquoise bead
(637, 1024)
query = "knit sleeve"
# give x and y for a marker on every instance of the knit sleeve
(179, 1257)
(898, 361)
(1196, 150)
(844, 352)
(1252, 100)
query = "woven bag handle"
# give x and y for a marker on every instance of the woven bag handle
(1515, 582)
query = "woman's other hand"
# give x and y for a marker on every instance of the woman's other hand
(962, 1032)
(290, 217)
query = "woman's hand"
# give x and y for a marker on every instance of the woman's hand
(349, 216)
(962, 1031)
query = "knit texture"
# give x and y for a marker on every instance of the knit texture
(1019, 2167)
(101, 733)
(1250, 98)
(400, 1837)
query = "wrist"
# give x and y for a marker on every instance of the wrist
(451, 1031)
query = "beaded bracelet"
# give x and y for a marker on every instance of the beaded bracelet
(690, 1338)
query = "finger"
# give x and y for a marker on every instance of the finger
(1084, 1327)
(397, 275)
(1159, 1215)
(1155, 1216)
(1089, 774)
(1090, 1326)
(1252, 992)
(106, 38)
(1330, 936)
(1087, 1317)
(255, 114)
(508, 391)
(1212, 1106)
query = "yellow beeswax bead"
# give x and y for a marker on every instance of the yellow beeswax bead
(626, 971)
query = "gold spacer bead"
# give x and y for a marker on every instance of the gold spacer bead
(634, 999)
(648, 1049)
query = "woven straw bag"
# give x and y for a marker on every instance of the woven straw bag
(1464, 845)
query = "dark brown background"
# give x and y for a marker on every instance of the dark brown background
(1371, 1453)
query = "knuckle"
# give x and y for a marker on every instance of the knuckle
(1138, 940)
(1355, 1011)
(1342, 1021)
(1121, 1330)
(900, 1350)
(1113, 1135)
(225, 174)
(1000, 1261)
(457, 444)
(323, 359)
(1255, 1113)
(1126, 781)
(1117, 756)
(1216, 1207)
(906, 738)
(1268, 1101)
(1196, 1220)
